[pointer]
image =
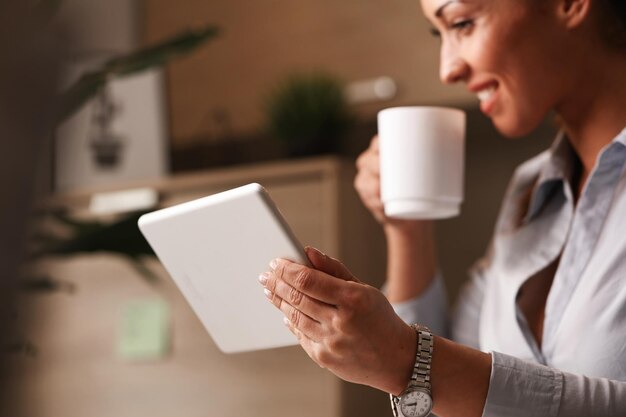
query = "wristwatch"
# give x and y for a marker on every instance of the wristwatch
(416, 401)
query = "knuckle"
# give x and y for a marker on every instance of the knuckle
(360, 185)
(335, 344)
(354, 299)
(363, 185)
(271, 284)
(323, 357)
(297, 333)
(348, 315)
(360, 161)
(303, 279)
(337, 323)
(295, 297)
(279, 272)
(294, 317)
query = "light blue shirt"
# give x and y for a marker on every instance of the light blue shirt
(580, 368)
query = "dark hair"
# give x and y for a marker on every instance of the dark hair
(613, 22)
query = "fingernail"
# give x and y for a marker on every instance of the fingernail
(268, 293)
(273, 264)
(263, 278)
(286, 321)
(316, 250)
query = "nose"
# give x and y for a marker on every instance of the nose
(452, 67)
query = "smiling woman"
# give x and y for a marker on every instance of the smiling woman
(501, 51)
(540, 326)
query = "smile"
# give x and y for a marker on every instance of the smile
(487, 97)
(486, 94)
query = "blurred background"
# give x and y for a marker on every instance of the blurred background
(111, 109)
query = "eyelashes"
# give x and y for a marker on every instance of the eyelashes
(435, 32)
(462, 26)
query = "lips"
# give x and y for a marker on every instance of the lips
(487, 94)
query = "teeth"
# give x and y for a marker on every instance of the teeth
(486, 93)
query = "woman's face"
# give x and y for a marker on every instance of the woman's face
(510, 53)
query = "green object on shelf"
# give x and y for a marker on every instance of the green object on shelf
(144, 330)
(308, 112)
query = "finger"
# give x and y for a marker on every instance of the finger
(313, 308)
(368, 188)
(376, 206)
(316, 284)
(372, 163)
(308, 326)
(292, 329)
(325, 263)
(375, 144)
(367, 185)
(369, 162)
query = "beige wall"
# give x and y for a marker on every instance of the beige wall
(263, 40)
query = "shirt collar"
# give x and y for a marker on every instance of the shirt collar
(559, 167)
(621, 137)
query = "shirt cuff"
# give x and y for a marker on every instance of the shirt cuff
(521, 388)
(429, 308)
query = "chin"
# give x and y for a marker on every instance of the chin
(514, 127)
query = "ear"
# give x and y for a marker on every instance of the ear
(573, 12)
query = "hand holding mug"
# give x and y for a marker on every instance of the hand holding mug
(367, 180)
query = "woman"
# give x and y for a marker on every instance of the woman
(548, 301)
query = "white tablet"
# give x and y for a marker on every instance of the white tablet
(215, 248)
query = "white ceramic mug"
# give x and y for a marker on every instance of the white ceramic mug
(421, 161)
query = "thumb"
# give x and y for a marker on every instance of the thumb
(331, 266)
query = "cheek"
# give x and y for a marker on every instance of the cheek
(527, 91)
(528, 94)
(524, 112)
(523, 104)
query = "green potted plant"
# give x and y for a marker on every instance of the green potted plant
(308, 113)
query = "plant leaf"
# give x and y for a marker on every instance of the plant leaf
(90, 83)
(158, 54)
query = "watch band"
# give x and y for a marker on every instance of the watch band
(423, 358)
(420, 379)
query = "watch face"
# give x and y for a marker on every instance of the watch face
(416, 403)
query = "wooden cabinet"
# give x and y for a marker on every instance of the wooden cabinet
(76, 371)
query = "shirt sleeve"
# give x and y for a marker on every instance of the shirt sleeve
(464, 327)
(429, 308)
(521, 388)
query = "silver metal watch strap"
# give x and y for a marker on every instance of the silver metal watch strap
(421, 370)
(423, 358)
